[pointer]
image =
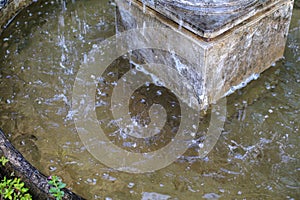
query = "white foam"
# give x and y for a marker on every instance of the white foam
(242, 84)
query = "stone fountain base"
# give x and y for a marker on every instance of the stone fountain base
(228, 57)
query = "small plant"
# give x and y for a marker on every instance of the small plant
(57, 186)
(13, 189)
(3, 160)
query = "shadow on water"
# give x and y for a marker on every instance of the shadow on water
(256, 157)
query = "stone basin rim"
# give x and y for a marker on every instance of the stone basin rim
(36, 181)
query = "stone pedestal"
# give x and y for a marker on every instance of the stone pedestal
(209, 18)
(228, 46)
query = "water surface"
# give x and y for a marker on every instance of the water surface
(256, 157)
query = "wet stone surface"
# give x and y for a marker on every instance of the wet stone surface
(209, 18)
(222, 64)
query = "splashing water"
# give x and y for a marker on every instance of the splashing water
(41, 52)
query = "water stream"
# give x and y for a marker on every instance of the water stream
(256, 157)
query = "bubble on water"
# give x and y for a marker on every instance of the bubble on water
(273, 64)
(211, 196)
(114, 83)
(130, 185)
(52, 169)
(101, 103)
(270, 111)
(154, 195)
(70, 115)
(108, 177)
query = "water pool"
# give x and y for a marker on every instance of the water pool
(256, 157)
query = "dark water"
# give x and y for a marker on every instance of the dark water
(256, 157)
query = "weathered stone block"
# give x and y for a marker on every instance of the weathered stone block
(215, 66)
(209, 18)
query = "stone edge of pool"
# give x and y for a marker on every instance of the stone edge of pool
(33, 178)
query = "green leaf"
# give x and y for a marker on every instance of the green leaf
(3, 160)
(18, 180)
(27, 197)
(53, 190)
(55, 178)
(62, 185)
(8, 193)
(24, 190)
(8, 181)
